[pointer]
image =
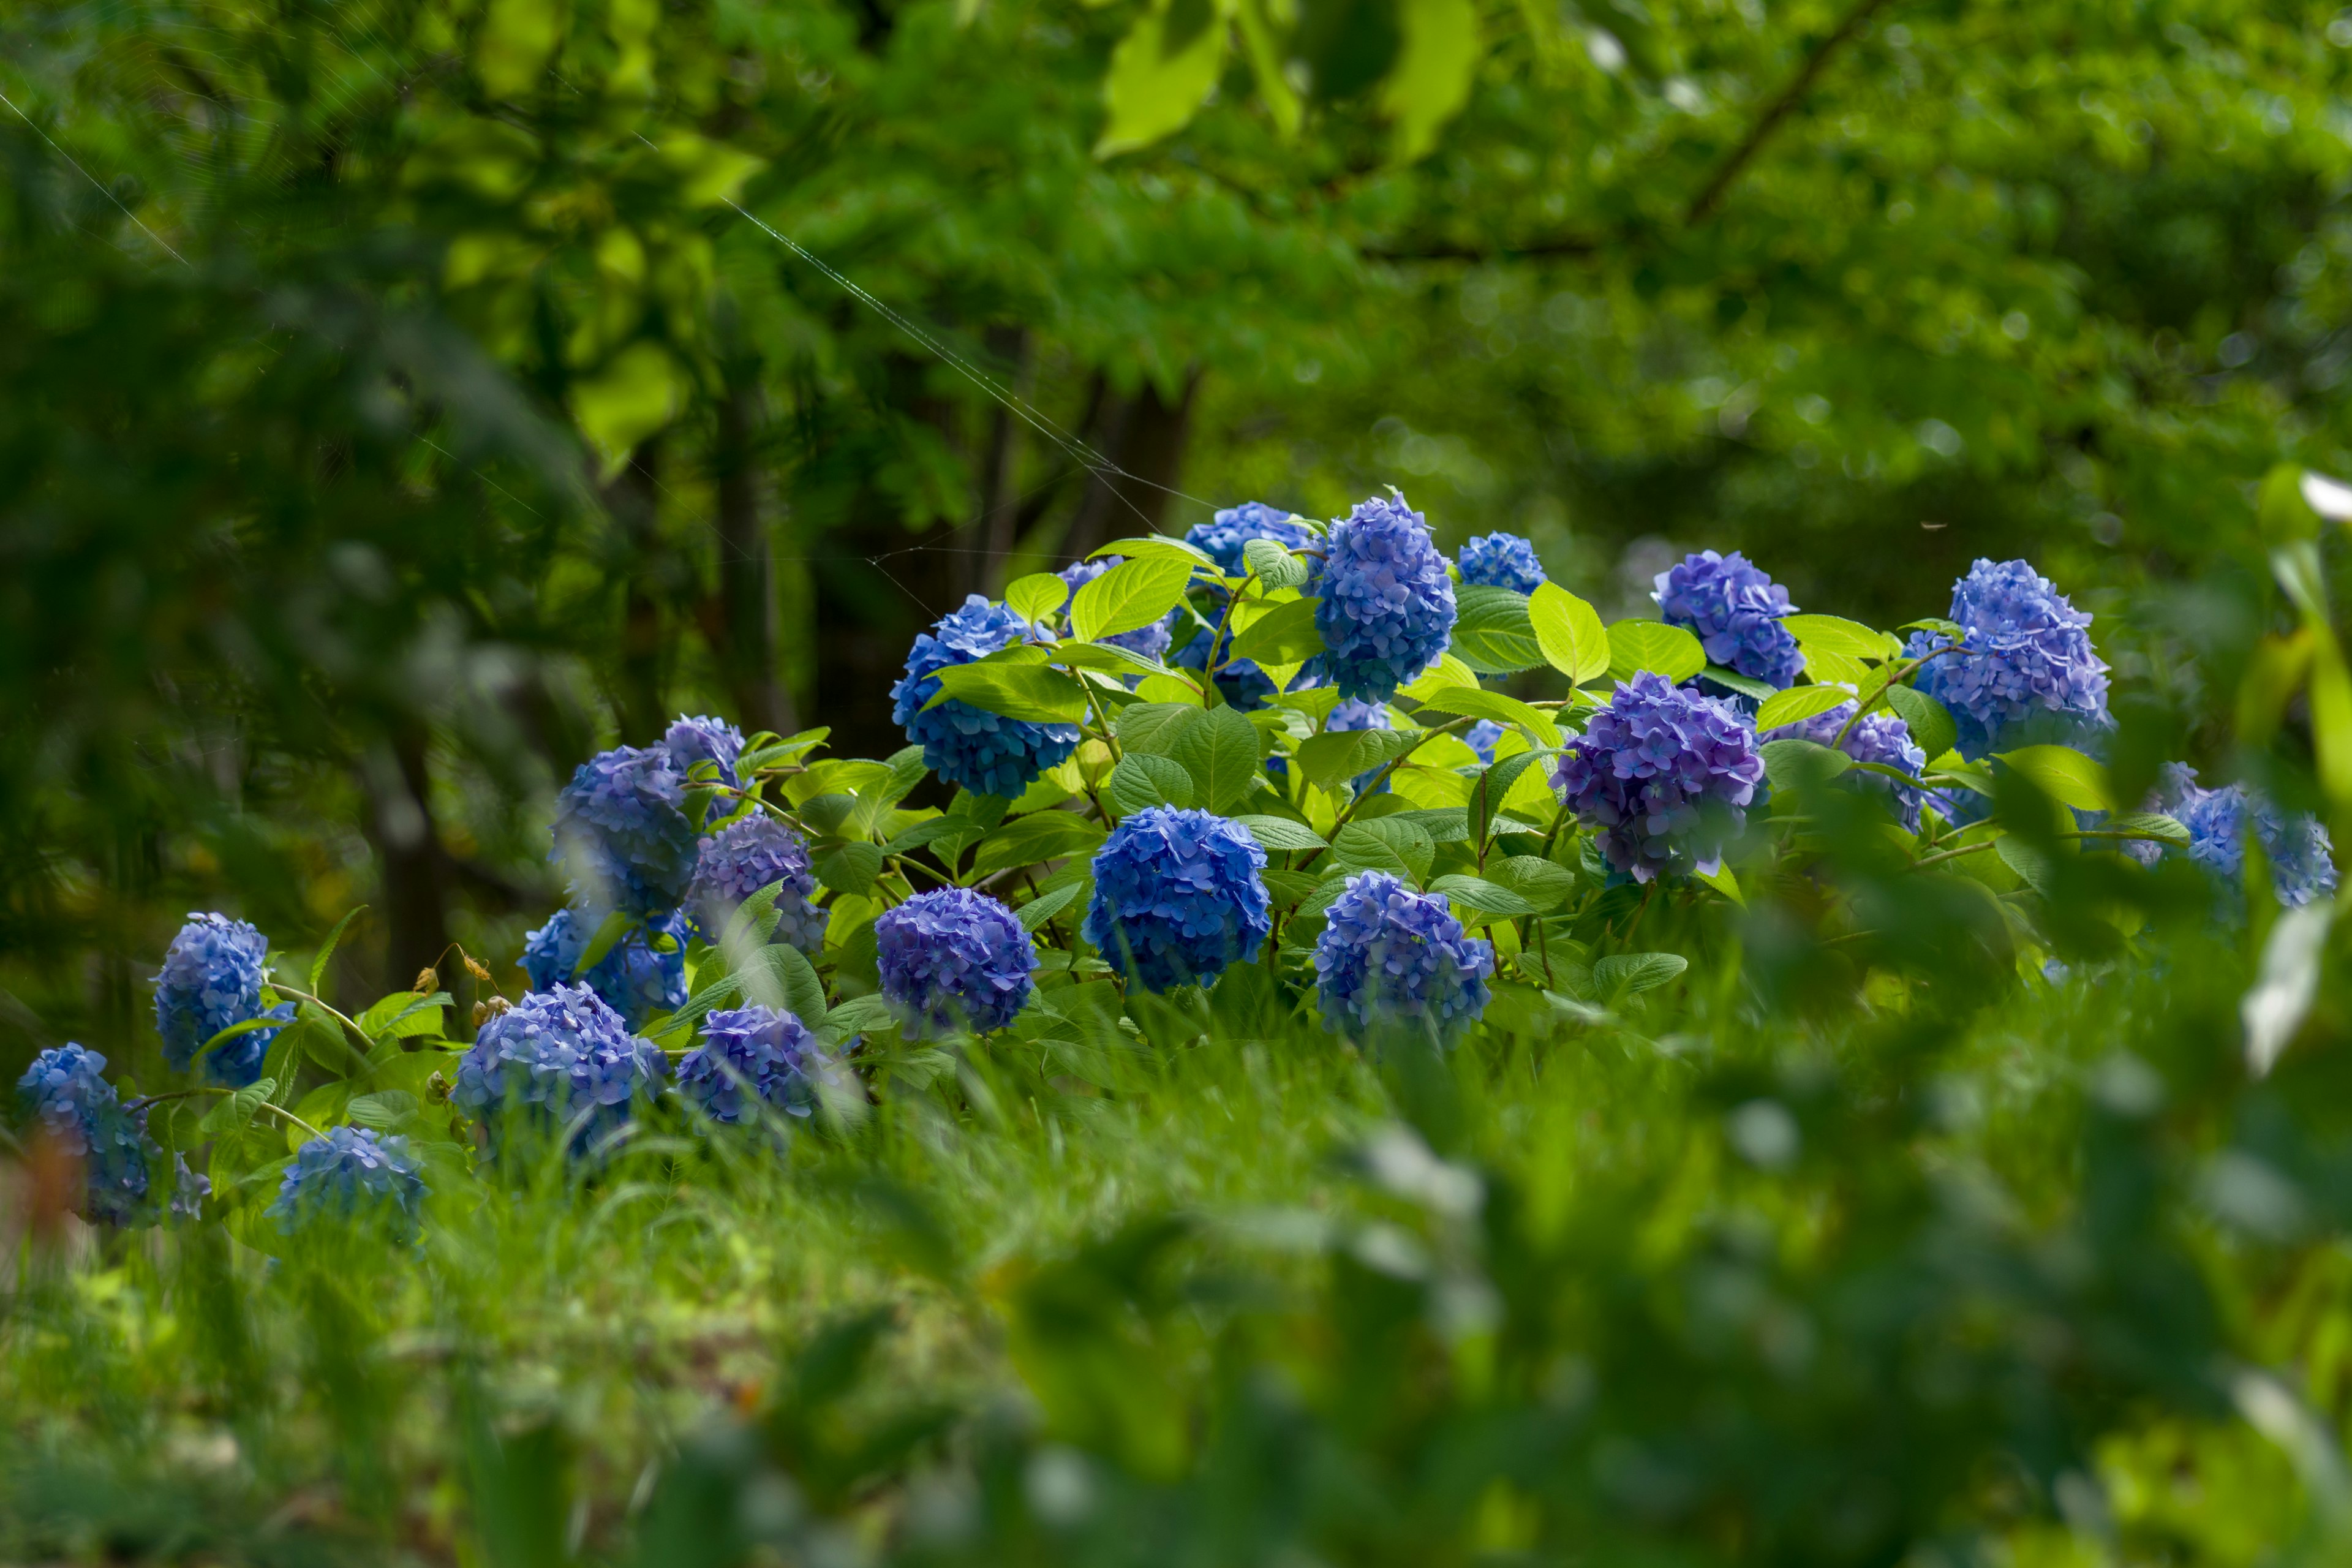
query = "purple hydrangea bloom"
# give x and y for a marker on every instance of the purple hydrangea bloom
(954, 959)
(746, 857)
(1735, 611)
(1391, 958)
(1224, 536)
(701, 740)
(1663, 776)
(635, 979)
(553, 1058)
(1882, 738)
(1501, 560)
(64, 1093)
(2301, 862)
(2027, 672)
(1386, 610)
(984, 753)
(751, 1057)
(212, 978)
(621, 826)
(1151, 641)
(1179, 897)
(1481, 738)
(352, 1175)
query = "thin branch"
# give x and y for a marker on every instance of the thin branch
(1779, 109)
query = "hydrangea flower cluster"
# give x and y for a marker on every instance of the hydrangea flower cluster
(1882, 738)
(746, 857)
(2301, 862)
(982, 752)
(1501, 560)
(621, 826)
(751, 1057)
(704, 739)
(65, 1094)
(212, 978)
(1735, 611)
(1179, 896)
(1151, 641)
(1392, 959)
(1242, 683)
(1386, 610)
(2027, 672)
(954, 959)
(1224, 536)
(552, 1058)
(635, 979)
(1663, 776)
(351, 1175)
(1481, 738)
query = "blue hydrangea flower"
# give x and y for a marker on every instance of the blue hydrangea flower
(1151, 641)
(1501, 560)
(1241, 682)
(635, 979)
(982, 752)
(1882, 738)
(2301, 862)
(621, 826)
(212, 978)
(700, 740)
(1387, 606)
(1179, 896)
(954, 959)
(1735, 611)
(352, 1177)
(1224, 535)
(754, 1057)
(1663, 777)
(1481, 738)
(1393, 959)
(555, 1056)
(746, 857)
(64, 1094)
(2026, 671)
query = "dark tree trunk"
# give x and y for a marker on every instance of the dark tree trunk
(400, 821)
(744, 634)
(1144, 437)
(632, 499)
(999, 501)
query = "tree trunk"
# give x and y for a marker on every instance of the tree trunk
(631, 500)
(400, 821)
(745, 634)
(1000, 500)
(1144, 437)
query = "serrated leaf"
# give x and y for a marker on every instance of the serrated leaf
(1492, 789)
(1492, 632)
(1570, 632)
(1746, 685)
(1477, 702)
(1798, 704)
(1156, 546)
(386, 1110)
(859, 1015)
(1284, 635)
(1221, 752)
(1481, 898)
(1443, 823)
(1724, 883)
(1046, 906)
(1384, 844)
(1038, 597)
(2029, 862)
(1042, 835)
(1929, 721)
(1670, 651)
(1279, 833)
(1793, 764)
(1835, 634)
(847, 867)
(1631, 973)
(1141, 780)
(1031, 692)
(1129, 597)
(782, 976)
(1153, 728)
(2065, 774)
(2150, 825)
(1334, 758)
(1546, 885)
(1275, 566)
(1159, 75)
(233, 1112)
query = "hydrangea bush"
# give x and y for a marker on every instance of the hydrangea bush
(754, 1058)
(954, 959)
(2302, 861)
(63, 1097)
(1392, 959)
(1386, 603)
(352, 1177)
(621, 829)
(635, 978)
(1881, 738)
(555, 1059)
(2025, 671)
(1735, 611)
(982, 752)
(212, 980)
(1179, 897)
(742, 858)
(1663, 777)
(1231, 528)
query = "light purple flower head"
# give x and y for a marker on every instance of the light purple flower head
(1392, 960)
(984, 753)
(1223, 537)
(704, 740)
(63, 1094)
(555, 1058)
(954, 959)
(1663, 777)
(212, 978)
(621, 829)
(746, 857)
(1386, 608)
(2026, 671)
(1180, 896)
(754, 1058)
(1151, 641)
(635, 979)
(1735, 611)
(352, 1177)
(1501, 560)
(2301, 862)
(1883, 738)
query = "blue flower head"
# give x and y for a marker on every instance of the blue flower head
(2025, 673)
(350, 1176)
(754, 1058)
(1735, 611)
(212, 978)
(1151, 641)
(1224, 536)
(746, 857)
(1394, 960)
(1387, 607)
(1243, 685)
(1501, 560)
(635, 979)
(63, 1095)
(621, 828)
(986, 752)
(1481, 738)
(693, 739)
(2303, 868)
(954, 959)
(557, 1057)
(1882, 738)
(1179, 896)
(1661, 776)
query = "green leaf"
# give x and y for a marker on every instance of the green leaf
(1221, 752)
(1570, 632)
(753, 921)
(1724, 883)
(1443, 823)
(779, 975)
(403, 1015)
(1046, 905)
(1492, 632)
(1670, 651)
(847, 867)
(876, 800)
(1746, 685)
(1028, 692)
(859, 1015)
(327, 951)
(1436, 65)
(1546, 885)
(1038, 597)
(2149, 825)
(1153, 728)
(1384, 844)
(1284, 635)
(1481, 898)
(1631, 973)
(1160, 73)
(1951, 631)
(1334, 758)
(2030, 862)
(1835, 634)
(1798, 704)
(235, 1112)
(1793, 764)
(1141, 780)
(1042, 835)
(386, 1110)
(1157, 546)
(2065, 774)
(1279, 833)
(1492, 788)
(1275, 566)
(1929, 721)
(1129, 597)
